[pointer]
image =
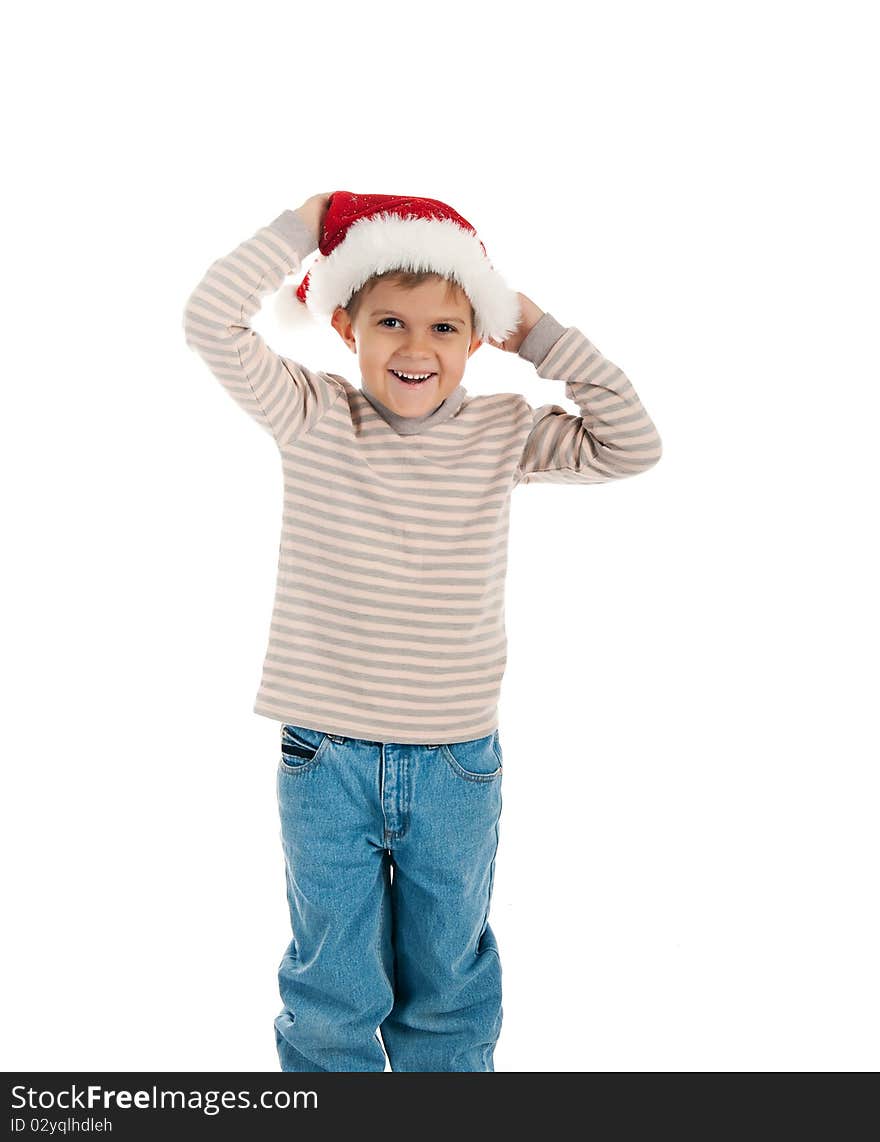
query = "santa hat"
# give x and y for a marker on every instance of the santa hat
(367, 234)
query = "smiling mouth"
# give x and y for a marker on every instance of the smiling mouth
(411, 383)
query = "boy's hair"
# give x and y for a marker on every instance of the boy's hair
(406, 279)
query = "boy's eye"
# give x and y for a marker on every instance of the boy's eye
(445, 324)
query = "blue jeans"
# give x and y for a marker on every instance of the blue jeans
(390, 858)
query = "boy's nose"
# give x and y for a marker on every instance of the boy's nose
(418, 347)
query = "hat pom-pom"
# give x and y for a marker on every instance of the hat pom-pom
(291, 311)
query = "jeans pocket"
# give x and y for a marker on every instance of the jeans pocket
(477, 760)
(301, 748)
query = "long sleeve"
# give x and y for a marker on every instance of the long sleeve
(283, 397)
(614, 436)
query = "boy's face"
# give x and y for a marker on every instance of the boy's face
(426, 329)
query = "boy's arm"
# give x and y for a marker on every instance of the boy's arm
(612, 438)
(283, 397)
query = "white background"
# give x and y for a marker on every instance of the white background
(687, 876)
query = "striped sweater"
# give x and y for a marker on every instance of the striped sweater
(388, 620)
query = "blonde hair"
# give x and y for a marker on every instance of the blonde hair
(406, 279)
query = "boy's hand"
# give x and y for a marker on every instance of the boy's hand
(312, 213)
(531, 314)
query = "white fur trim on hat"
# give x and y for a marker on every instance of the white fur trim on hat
(389, 242)
(290, 313)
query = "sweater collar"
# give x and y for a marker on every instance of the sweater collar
(410, 425)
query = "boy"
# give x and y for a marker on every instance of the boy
(387, 644)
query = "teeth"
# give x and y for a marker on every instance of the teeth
(412, 376)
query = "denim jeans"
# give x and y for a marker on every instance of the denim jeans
(390, 860)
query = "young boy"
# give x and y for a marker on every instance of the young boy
(387, 645)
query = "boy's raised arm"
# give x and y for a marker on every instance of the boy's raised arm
(614, 436)
(283, 397)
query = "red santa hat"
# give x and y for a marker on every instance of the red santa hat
(367, 234)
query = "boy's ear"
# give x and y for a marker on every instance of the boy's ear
(341, 322)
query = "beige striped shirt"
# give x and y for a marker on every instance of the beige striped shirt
(388, 620)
